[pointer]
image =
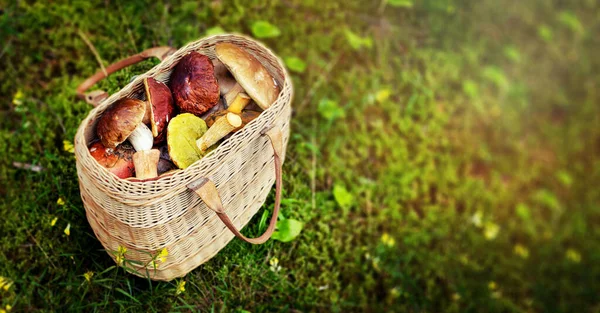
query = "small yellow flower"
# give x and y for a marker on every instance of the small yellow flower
(88, 276)
(274, 262)
(18, 98)
(382, 95)
(376, 264)
(573, 255)
(60, 201)
(120, 255)
(68, 229)
(456, 296)
(162, 256)
(53, 222)
(388, 240)
(5, 283)
(477, 218)
(491, 230)
(394, 292)
(8, 308)
(68, 146)
(180, 287)
(521, 251)
(492, 285)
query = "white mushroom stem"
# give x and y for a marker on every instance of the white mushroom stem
(145, 159)
(232, 93)
(239, 103)
(146, 163)
(141, 138)
(222, 126)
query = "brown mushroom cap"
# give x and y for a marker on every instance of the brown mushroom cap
(118, 161)
(249, 73)
(159, 107)
(119, 121)
(195, 88)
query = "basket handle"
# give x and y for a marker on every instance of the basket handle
(208, 192)
(95, 97)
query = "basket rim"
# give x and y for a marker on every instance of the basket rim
(83, 153)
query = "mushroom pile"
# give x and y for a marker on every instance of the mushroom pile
(176, 125)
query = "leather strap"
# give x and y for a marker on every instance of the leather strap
(95, 97)
(208, 192)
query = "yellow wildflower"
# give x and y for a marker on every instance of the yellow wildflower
(68, 146)
(88, 276)
(119, 259)
(120, 256)
(521, 251)
(60, 201)
(456, 296)
(382, 95)
(376, 264)
(477, 218)
(68, 229)
(573, 255)
(18, 98)
(388, 240)
(491, 230)
(180, 287)
(8, 308)
(394, 292)
(274, 262)
(162, 256)
(5, 283)
(53, 222)
(492, 285)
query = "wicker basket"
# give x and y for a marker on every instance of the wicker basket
(195, 212)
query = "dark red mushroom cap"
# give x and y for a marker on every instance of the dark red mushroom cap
(194, 86)
(159, 107)
(119, 121)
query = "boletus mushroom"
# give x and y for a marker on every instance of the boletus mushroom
(123, 121)
(182, 132)
(118, 161)
(194, 86)
(219, 129)
(249, 73)
(246, 116)
(159, 108)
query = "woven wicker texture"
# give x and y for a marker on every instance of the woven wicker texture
(147, 216)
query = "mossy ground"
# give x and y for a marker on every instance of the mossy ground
(466, 133)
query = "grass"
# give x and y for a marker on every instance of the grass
(444, 157)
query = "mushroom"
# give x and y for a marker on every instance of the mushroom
(182, 132)
(118, 161)
(249, 73)
(219, 129)
(123, 121)
(246, 116)
(159, 108)
(224, 78)
(194, 86)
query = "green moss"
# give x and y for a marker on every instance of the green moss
(446, 121)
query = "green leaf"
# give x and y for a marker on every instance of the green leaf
(344, 198)
(217, 30)
(330, 109)
(264, 29)
(287, 230)
(545, 33)
(357, 42)
(295, 64)
(571, 21)
(263, 220)
(564, 178)
(496, 76)
(512, 53)
(523, 212)
(400, 3)
(470, 88)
